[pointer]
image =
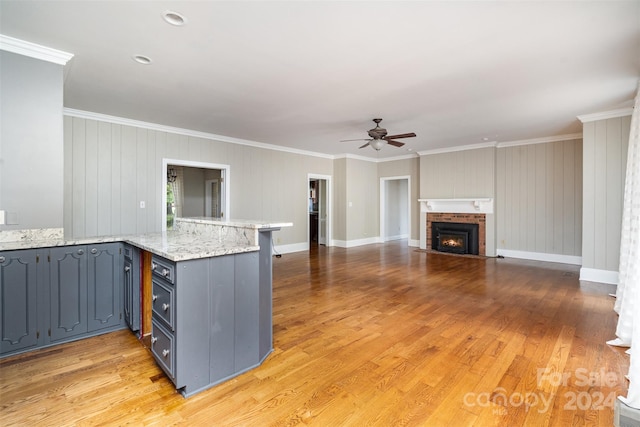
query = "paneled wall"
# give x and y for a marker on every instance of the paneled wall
(458, 174)
(604, 164)
(539, 198)
(110, 168)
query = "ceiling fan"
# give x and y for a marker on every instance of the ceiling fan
(379, 137)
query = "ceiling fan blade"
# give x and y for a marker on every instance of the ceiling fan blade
(359, 139)
(394, 143)
(402, 135)
(362, 146)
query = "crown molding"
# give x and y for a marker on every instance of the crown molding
(187, 132)
(373, 160)
(621, 112)
(490, 144)
(33, 50)
(557, 138)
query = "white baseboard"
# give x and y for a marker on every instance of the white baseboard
(600, 276)
(539, 256)
(354, 243)
(294, 247)
(397, 237)
(414, 243)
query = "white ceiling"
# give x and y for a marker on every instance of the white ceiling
(308, 74)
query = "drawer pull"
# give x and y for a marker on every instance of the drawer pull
(153, 339)
(153, 266)
(127, 268)
(80, 251)
(94, 251)
(165, 306)
(165, 272)
(2, 259)
(154, 297)
(165, 352)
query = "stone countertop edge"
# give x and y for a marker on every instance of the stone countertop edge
(242, 223)
(156, 243)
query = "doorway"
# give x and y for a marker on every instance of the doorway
(395, 208)
(318, 205)
(194, 189)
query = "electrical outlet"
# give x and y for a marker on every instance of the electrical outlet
(142, 204)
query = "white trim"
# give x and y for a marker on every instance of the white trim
(32, 50)
(290, 248)
(621, 112)
(383, 211)
(187, 132)
(374, 160)
(414, 243)
(329, 207)
(354, 243)
(458, 148)
(471, 205)
(559, 138)
(600, 276)
(226, 175)
(539, 256)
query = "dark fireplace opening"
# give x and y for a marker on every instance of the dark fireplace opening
(455, 237)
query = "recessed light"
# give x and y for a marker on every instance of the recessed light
(174, 18)
(142, 59)
(485, 139)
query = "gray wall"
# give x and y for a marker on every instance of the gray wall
(31, 159)
(362, 200)
(110, 168)
(539, 198)
(604, 165)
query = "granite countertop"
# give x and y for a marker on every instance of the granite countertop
(242, 223)
(188, 243)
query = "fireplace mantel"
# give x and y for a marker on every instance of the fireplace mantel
(481, 205)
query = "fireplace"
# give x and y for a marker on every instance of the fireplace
(454, 237)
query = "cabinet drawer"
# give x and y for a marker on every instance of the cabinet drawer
(163, 348)
(163, 268)
(162, 302)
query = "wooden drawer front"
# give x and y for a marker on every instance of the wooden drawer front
(164, 269)
(162, 347)
(163, 303)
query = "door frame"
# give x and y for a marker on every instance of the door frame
(383, 205)
(329, 207)
(225, 175)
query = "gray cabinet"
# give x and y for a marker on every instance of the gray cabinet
(59, 294)
(131, 275)
(104, 285)
(68, 289)
(205, 319)
(18, 306)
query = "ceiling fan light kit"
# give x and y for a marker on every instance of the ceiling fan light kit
(379, 137)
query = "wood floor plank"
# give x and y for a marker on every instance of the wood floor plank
(381, 334)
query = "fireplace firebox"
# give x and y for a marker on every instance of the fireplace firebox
(455, 237)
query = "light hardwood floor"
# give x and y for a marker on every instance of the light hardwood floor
(376, 335)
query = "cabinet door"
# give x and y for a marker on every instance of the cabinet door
(104, 283)
(68, 285)
(18, 306)
(131, 278)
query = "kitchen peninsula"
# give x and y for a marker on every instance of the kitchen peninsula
(209, 288)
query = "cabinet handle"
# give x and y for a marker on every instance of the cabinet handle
(165, 353)
(165, 272)
(165, 306)
(153, 266)
(154, 297)
(94, 251)
(2, 259)
(153, 339)
(127, 268)
(80, 251)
